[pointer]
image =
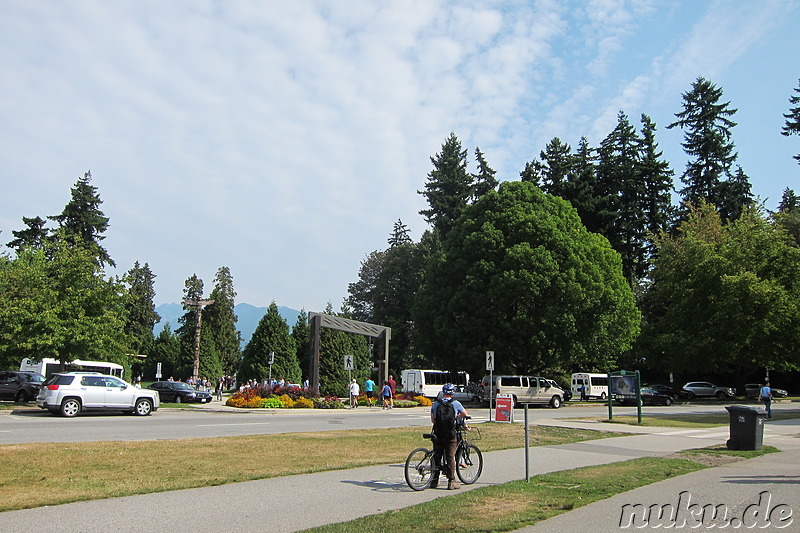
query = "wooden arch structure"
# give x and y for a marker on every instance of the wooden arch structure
(317, 321)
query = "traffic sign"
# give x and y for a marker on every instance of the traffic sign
(348, 362)
(489, 360)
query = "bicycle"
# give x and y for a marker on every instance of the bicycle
(421, 463)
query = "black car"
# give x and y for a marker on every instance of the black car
(179, 392)
(20, 386)
(671, 391)
(649, 396)
(753, 390)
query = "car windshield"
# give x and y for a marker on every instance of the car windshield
(179, 385)
(650, 390)
(33, 378)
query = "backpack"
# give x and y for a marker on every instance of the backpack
(444, 425)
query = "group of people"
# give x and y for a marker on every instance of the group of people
(386, 393)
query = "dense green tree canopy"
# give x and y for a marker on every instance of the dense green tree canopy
(57, 303)
(449, 186)
(141, 310)
(724, 297)
(520, 275)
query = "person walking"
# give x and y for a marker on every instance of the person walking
(386, 394)
(369, 388)
(766, 397)
(354, 392)
(393, 386)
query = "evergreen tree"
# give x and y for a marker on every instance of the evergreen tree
(83, 222)
(584, 192)
(485, 180)
(167, 351)
(735, 195)
(707, 140)
(788, 215)
(221, 319)
(399, 234)
(656, 177)
(792, 124)
(334, 346)
(622, 213)
(141, 311)
(301, 333)
(35, 236)
(271, 335)
(449, 186)
(555, 168)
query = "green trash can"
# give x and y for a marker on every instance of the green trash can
(747, 427)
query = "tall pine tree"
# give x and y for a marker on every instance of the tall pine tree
(83, 222)
(449, 186)
(221, 319)
(271, 335)
(792, 124)
(141, 310)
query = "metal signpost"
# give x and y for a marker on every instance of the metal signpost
(490, 368)
(349, 366)
(271, 362)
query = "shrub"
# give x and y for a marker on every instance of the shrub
(423, 401)
(303, 403)
(405, 403)
(272, 403)
(286, 400)
(246, 399)
(329, 402)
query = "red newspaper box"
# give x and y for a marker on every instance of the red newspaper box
(504, 408)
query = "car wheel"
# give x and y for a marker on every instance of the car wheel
(668, 401)
(177, 399)
(513, 401)
(555, 403)
(603, 396)
(70, 407)
(20, 398)
(143, 407)
(721, 395)
(690, 395)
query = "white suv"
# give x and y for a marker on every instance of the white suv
(69, 393)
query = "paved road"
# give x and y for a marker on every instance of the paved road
(298, 502)
(215, 420)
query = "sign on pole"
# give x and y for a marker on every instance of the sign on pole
(505, 408)
(348, 362)
(490, 361)
(158, 370)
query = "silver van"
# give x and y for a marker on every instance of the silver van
(524, 389)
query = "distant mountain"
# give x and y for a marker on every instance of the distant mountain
(248, 318)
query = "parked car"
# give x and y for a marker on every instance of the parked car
(69, 393)
(649, 396)
(666, 389)
(753, 390)
(524, 389)
(20, 386)
(179, 392)
(566, 390)
(704, 388)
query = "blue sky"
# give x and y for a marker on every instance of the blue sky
(284, 139)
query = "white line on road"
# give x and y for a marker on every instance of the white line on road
(223, 425)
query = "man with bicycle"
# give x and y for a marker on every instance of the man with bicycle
(446, 437)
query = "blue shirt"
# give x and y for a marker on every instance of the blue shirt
(766, 392)
(368, 385)
(456, 405)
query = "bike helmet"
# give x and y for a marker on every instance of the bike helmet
(449, 388)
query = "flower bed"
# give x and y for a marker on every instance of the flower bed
(292, 398)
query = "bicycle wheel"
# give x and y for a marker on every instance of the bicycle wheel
(419, 467)
(469, 463)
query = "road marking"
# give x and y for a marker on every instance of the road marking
(243, 424)
(681, 432)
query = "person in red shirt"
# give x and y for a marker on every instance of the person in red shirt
(393, 386)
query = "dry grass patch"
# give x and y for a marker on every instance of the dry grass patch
(94, 470)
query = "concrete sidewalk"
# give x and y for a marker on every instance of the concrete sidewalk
(298, 502)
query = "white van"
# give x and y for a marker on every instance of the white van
(596, 385)
(524, 389)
